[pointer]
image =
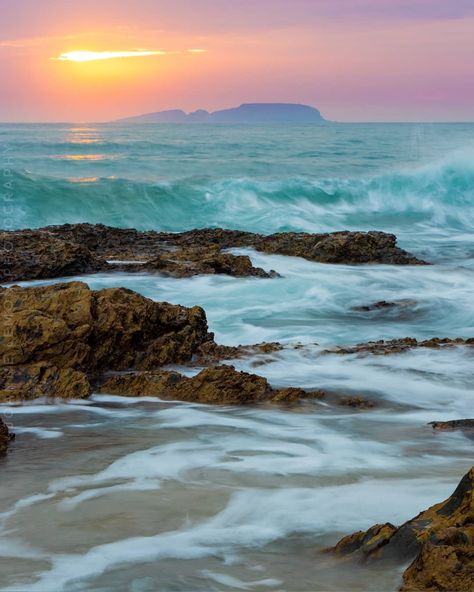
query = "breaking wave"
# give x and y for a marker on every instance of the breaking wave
(437, 196)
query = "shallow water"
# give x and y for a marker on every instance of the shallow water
(142, 495)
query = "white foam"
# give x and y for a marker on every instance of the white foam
(252, 519)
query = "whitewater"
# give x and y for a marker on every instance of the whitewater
(142, 495)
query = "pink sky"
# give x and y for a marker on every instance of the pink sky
(356, 60)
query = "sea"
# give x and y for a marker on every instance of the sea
(141, 495)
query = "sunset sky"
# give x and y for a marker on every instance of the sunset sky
(356, 60)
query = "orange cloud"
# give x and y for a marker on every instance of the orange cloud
(89, 56)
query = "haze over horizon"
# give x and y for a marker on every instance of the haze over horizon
(354, 60)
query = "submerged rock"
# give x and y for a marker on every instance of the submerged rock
(5, 437)
(395, 346)
(464, 425)
(384, 305)
(71, 249)
(439, 541)
(220, 385)
(54, 337)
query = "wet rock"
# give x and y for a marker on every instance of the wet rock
(179, 253)
(211, 352)
(220, 385)
(464, 425)
(5, 437)
(439, 541)
(384, 305)
(31, 254)
(23, 383)
(48, 330)
(205, 260)
(356, 402)
(395, 346)
(339, 247)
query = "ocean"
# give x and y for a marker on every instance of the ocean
(142, 495)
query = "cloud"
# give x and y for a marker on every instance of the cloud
(89, 56)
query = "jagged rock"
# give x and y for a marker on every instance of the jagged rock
(5, 437)
(339, 247)
(205, 260)
(220, 385)
(211, 353)
(30, 254)
(181, 253)
(440, 541)
(22, 383)
(465, 425)
(47, 330)
(395, 346)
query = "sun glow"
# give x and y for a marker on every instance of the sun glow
(89, 56)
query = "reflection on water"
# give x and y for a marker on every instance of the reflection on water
(81, 157)
(83, 179)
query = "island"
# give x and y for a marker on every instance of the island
(245, 113)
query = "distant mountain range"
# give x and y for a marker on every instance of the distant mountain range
(246, 113)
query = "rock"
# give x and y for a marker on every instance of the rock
(219, 385)
(356, 402)
(200, 251)
(383, 305)
(395, 346)
(30, 254)
(23, 383)
(465, 425)
(439, 542)
(53, 338)
(339, 247)
(205, 260)
(444, 566)
(5, 437)
(211, 352)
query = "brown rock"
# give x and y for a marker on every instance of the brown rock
(337, 247)
(395, 346)
(220, 385)
(34, 254)
(48, 330)
(5, 437)
(447, 566)
(23, 383)
(340, 247)
(356, 402)
(465, 425)
(440, 540)
(211, 352)
(205, 260)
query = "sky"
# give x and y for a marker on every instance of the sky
(355, 60)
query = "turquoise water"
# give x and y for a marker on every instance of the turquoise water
(141, 495)
(414, 180)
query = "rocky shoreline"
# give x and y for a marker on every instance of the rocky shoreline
(75, 249)
(65, 341)
(439, 542)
